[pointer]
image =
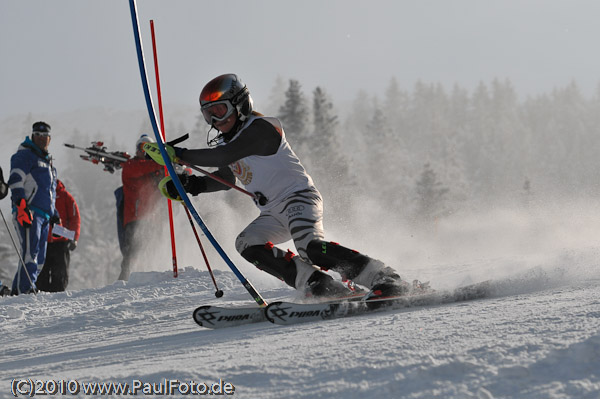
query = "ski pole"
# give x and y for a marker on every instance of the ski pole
(261, 199)
(161, 145)
(218, 293)
(17, 250)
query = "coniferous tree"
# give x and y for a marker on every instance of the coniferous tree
(324, 136)
(355, 137)
(395, 107)
(294, 114)
(378, 137)
(328, 163)
(431, 195)
(478, 147)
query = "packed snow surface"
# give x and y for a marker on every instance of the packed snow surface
(537, 337)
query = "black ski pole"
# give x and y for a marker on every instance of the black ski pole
(218, 293)
(17, 250)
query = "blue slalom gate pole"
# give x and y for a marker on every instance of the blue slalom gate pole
(152, 114)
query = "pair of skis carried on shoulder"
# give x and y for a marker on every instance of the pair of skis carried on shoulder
(288, 313)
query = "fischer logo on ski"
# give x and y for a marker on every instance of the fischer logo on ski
(204, 315)
(280, 312)
(220, 317)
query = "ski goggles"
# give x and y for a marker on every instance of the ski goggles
(217, 111)
(43, 134)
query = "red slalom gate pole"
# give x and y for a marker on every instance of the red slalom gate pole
(218, 293)
(162, 128)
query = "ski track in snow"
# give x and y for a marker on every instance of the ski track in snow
(538, 337)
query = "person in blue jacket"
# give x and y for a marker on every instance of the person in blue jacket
(32, 182)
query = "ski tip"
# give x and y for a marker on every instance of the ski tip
(199, 313)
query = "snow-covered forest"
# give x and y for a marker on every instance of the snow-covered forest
(428, 158)
(431, 151)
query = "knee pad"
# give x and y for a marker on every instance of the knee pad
(272, 260)
(241, 244)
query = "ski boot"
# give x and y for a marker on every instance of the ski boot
(317, 283)
(324, 286)
(4, 290)
(382, 280)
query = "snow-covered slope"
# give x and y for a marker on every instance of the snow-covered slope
(538, 338)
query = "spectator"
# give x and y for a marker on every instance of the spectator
(32, 182)
(140, 178)
(54, 276)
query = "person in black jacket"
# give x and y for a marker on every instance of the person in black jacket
(3, 186)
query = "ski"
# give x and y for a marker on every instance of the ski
(98, 153)
(215, 317)
(287, 313)
(220, 317)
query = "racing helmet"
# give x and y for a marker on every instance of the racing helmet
(224, 95)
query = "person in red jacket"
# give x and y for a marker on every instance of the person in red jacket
(54, 276)
(140, 178)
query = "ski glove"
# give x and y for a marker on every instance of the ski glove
(3, 186)
(192, 184)
(24, 215)
(153, 152)
(72, 245)
(54, 219)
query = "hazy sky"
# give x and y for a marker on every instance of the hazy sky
(63, 55)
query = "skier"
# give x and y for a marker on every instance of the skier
(54, 276)
(32, 182)
(253, 148)
(140, 177)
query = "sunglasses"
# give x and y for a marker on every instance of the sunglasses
(217, 111)
(43, 134)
